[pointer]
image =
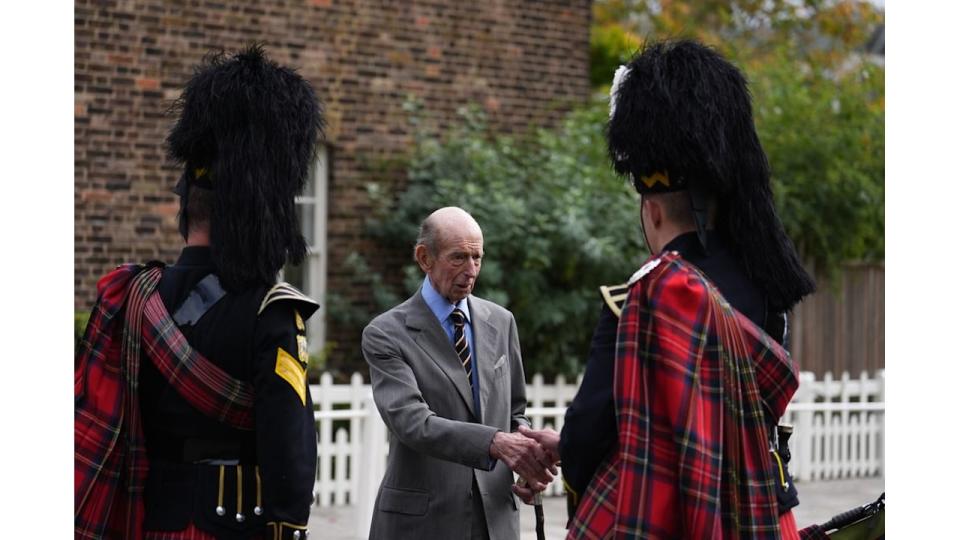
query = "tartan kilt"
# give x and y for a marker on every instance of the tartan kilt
(695, 385)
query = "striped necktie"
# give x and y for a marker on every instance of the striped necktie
(460, 343)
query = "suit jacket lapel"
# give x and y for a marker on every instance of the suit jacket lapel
(433, 340)
(485, 340)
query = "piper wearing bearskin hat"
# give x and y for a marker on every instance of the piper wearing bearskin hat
(672, 432)
(193, 417)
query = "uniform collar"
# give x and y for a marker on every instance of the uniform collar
(688, 245)
(195, 256)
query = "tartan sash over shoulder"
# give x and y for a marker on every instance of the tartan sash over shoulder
(110, 462)
(695, 386)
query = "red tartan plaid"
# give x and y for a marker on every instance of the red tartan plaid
(193, 533)
(788, 526)
(813, 532)
(110, 462)
(202, 383)
(692, 379)
(98, 414)
(190, 533)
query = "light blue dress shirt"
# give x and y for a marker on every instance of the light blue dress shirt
(442, 308)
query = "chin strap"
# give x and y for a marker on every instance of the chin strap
(643, 230)
(183, 190)
(698, 203)
(198, 177)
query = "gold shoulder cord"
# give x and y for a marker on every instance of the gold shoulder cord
(240, 516)
(571, 492)
(220, 509)
(258, 509)
(783, 479)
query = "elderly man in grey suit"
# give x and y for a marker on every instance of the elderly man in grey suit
(448, 381)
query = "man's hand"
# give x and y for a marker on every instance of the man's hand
(525, 492)
(525, 457)
(549, 440)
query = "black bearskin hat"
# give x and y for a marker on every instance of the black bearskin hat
(681, 118)
(248, 129)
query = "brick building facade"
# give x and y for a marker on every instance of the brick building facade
(524, 62)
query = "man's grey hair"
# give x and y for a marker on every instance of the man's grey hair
(428, 237)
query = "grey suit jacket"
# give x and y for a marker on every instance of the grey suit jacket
(437, 445)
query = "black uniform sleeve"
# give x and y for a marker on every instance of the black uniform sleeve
(590, 425)
(286, 438)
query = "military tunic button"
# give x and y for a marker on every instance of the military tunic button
(296, 535)
(221, 511)
(306, 534)
(257, 510)
(240, 518)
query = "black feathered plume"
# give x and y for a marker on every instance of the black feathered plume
(684, 111)
(254, 126)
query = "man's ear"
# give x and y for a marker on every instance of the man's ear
(422, 255)
(654, 211)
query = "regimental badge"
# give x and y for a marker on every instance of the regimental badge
(302, 350)
(656, 178)
(299, 319)
(291, 371)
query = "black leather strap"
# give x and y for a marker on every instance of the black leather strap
(203, 297)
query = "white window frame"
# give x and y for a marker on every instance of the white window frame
(315, 262)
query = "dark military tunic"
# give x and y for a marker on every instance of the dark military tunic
(197, 463)
(589, 428)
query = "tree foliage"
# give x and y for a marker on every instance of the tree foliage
(824, 137)
(558, 223)
(818, 104)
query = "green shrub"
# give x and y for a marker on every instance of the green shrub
(557, 224)
(79, 325)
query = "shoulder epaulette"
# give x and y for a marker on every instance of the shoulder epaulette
(644, 270)
(285, 292)
(615, 296)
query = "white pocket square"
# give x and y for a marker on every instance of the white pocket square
(500, 361)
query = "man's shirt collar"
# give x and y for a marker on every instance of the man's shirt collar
(440, 306)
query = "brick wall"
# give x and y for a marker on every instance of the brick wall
(524, 62)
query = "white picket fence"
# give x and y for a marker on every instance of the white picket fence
(838, 433)
(838, 427)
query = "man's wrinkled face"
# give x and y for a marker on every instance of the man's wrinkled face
(453, 271)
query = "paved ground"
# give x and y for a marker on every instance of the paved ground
(819, 501)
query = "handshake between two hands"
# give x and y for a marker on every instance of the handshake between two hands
(531, 453)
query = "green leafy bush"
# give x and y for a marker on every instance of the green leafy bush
(824, 137)
(79, 326)
(557, 224)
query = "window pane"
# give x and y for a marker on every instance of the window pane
(308, 190)
(305, 213)
(295, 275)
